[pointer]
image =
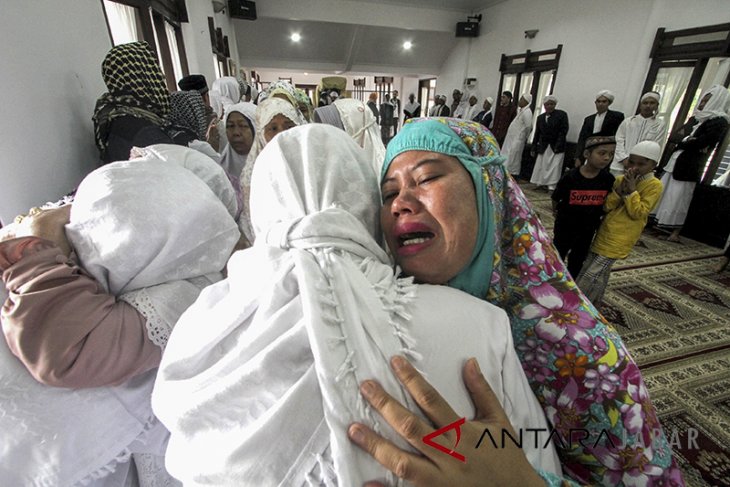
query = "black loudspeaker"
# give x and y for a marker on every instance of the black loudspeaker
(467, 29)
(242, 9)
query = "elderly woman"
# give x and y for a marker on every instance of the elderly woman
(134, 110)
(273, 115)
(93, 324)
(263, 394)
(489, 243)
(695, 141)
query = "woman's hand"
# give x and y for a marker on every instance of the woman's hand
(483, 465)
(212, 136)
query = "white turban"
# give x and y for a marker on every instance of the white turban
(490, 100)
(549, 98)
(606, 94)
(528, 98)
(651, 94)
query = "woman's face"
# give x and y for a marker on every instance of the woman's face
(239, 133)
(279, 123)
(703, 101)
(429, 215)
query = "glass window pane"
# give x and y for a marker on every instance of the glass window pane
(508, 83)
(543, 89)
(672, 84)
(123, 22)
(525, 85)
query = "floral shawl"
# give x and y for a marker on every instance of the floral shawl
(575, 361)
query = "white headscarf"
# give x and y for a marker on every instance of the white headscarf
(266, 110)
(360, 124)
(232, 161)
(227, 89)
(263, 394)
(717, 106)
(56, 436)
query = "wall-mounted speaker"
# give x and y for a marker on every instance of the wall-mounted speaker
(467, 29)
(242, 9)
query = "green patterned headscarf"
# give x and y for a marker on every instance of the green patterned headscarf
(136, 88)
(476, 149)
(561, 340)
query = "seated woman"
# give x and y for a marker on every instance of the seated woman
(134, 110)
(264, 392)
(93, 324)
(480, 234)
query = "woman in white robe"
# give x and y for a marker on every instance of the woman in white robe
(263, 394)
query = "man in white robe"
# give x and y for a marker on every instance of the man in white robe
(549, 145)
(517, 133)
(643, 126)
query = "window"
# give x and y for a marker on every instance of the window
(158, 23)
(426, 95)
(684, 64)
(530, 72)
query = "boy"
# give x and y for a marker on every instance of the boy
(578, 202)
(627, 207)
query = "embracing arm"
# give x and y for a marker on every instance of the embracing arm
(63, 326)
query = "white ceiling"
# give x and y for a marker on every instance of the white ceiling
(354, 37)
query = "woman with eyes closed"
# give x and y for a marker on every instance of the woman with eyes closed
(452, 216)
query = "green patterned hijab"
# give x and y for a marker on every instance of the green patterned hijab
(476, 149)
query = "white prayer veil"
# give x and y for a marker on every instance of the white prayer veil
(124, 225)
(360, 124)
(265, 111)
(232, 161)
(264, 393)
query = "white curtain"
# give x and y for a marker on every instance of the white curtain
(174, 53)
(672, 84)
(122, 22)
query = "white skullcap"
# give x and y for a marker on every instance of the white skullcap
(528, 98)
(651, 94)
(490, 100)
(550, 97)
(607, 94)
(649, 149)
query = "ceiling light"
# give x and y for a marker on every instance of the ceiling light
(306, 74)
(296, 37)
(407, 45)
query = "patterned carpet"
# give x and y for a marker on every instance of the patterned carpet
(674, 313)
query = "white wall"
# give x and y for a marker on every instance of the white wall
(51, 77)
(197, 38)
(604, 46)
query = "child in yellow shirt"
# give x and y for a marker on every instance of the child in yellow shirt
(627, 207)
